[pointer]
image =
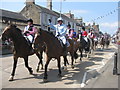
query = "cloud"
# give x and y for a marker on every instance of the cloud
(79, 11)
(110, 25)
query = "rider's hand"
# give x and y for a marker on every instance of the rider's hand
(58, 35)
(50, 21)
(26, 33)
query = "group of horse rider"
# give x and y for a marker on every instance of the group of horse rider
(63, 32)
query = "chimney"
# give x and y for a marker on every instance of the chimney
(49, 4)
(28, 2)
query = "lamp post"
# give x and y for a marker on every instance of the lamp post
(61, 7)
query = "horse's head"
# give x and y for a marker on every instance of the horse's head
(7, 32)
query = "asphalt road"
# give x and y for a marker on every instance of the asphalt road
(70, 79)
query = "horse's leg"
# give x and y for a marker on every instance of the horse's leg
(27, 66)
(81, 55)
(65, 61)
(103, 46)
(89, 51)
(72, 58)
(88, 55)
(46, 65)
(14, 67)
(59, 67)
(40, 60)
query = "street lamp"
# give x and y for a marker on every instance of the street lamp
(61, 7)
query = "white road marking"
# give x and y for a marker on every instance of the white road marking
(85, 74)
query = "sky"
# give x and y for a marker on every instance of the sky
(87, 10)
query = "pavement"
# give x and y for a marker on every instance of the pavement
(73, 78)
(106, 78)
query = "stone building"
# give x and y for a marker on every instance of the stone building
(6, 18)
(9, 17)
(40, 14)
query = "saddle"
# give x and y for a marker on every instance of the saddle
(67, 43)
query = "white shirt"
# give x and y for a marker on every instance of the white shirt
(60, 29)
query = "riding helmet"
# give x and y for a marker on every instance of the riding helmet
(30, 20)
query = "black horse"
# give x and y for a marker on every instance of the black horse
(86, 46)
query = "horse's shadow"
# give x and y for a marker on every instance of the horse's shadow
(72, 74)
(5, 55)
(96, 59)
(99, 53)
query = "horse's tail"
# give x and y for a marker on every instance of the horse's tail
(75, 55)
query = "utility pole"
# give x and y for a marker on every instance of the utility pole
(60, 7)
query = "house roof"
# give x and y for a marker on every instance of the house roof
(12, 15)
(54, 13)
(96, 27)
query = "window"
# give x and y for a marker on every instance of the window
(55, 20)
(51, 18)
(45, 18)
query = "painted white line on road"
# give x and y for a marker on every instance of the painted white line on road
(85, 75)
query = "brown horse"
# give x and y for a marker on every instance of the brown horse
(21, 47)
(102, 42)
(95, 44)
(53, 49)
(107, 42)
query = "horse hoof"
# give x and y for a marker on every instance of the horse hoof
(37, 70)
(80, 59)
(59, 75)
(11, 78)
(65, 68)
(72, 66)
(42, 68)
(44, 80)
(31, 73)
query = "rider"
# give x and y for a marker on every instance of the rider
(29, 31)
(91, 35)
(61, 31)
(105, 36)
(69, 33)
(74, 34)
(84, 34)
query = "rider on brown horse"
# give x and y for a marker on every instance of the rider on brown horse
(29, 32)
(61, 31)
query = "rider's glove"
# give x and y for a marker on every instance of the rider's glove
(50, 21)
(58, 34)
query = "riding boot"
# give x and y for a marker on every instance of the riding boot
(65, 50)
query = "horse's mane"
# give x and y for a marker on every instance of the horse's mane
(49, 33)
(14, 26)
(16, 31)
